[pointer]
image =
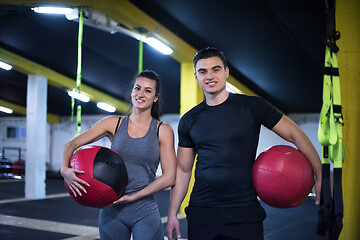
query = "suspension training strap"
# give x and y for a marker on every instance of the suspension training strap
(326, 115)
(330, 213)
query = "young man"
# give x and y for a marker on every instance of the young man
(223, 131)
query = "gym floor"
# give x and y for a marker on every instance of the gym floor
(59, 217)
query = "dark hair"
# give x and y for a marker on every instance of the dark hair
(209, 52)
(156, 107)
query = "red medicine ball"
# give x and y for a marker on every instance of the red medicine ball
(105, 172)
(282, 177)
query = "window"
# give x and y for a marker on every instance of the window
(23, 132)
(15, 132)
(12, 132)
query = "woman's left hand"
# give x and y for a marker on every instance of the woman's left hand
(125, 199)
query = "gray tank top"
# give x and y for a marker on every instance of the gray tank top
(141, 155)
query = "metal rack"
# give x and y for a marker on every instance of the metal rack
(9, 169)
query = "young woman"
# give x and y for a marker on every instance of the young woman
(142, 141)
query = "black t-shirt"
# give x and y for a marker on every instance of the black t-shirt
(225, 138)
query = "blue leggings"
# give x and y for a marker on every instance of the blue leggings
(142, 218)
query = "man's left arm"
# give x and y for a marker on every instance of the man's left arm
(289, 131)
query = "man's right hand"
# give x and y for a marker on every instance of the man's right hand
(185, 163)
(173, 224)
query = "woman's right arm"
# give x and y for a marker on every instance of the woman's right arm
(104, 127)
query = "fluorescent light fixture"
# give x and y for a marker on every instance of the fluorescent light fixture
(232, 88)
(6, 110)
(161, 47)
(5, 66)
(52, 10)
(79, 96)
(106, 107)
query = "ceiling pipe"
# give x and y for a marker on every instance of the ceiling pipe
(101, 21)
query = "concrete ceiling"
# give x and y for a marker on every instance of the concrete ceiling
(274, 48)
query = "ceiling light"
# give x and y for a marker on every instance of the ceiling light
(232, 88)
(73, 15)
(5, 66)
(161, 47)
(52, 10)
(106, 107)
(6, 110)
(79, 96)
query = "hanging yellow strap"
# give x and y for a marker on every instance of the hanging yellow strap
(327, 134)
(80, 39)
(338, 149)
(140, 62)
(331, 121)
(78, 75)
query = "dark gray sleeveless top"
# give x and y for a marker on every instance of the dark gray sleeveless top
(141, 155)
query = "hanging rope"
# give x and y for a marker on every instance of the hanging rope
(78, 74)
(140, 63)
(78, 77)
(80, 39)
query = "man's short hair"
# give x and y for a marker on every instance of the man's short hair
(209, 52)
